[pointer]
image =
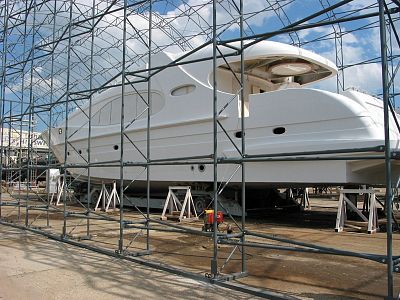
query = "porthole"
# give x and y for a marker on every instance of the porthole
(80, 151)
(279, 130)
(202, 168)
(183, 90)
(238, 134)
(68, 153)
(192, 168)
(116, 147)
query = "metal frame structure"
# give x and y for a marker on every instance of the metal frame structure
(55, 55)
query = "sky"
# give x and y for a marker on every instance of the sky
(184, 25)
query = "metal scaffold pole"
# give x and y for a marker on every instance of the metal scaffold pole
(388, 198)
(121, 158)
(149, 108)
(21, 126)
(50, 123)
(66, 132)
(30, 115)
(214, 261)
(89, 142)
(243, 128)
(2, 98)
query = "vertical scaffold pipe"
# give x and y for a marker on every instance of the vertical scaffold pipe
(121, 167)
(21, 121)
(2, 98)
(67, 95)
(388, 202)
(51, 107)
(148, 127)
(214, 261)
(89, 144)
(243, 127)
(31, 110)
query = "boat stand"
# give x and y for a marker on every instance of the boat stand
(372, 219)
(107, 198)
(59, 193)
(303, 201)
(178, 210)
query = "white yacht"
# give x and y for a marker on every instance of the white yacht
(282, 116)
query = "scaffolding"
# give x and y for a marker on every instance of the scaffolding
(57, 55)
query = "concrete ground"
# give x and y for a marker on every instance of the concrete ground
(34, 267)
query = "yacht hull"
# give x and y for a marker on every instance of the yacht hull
(281, 126)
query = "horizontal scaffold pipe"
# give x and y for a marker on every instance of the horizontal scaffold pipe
(48, 209)
(380, 148)
(193, 231)
(221, 160)
(326, 250)
(316, 158)
(210, 156)
(13, 204)
(81, 215)
(38, 167)
(209, 234)
(373, 257)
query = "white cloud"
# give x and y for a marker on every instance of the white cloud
(360, 4)
(362, 76)
(366, 78)
(7, 90)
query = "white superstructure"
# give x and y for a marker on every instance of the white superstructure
(281, 117)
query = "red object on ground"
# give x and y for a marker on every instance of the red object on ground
(210, 217)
